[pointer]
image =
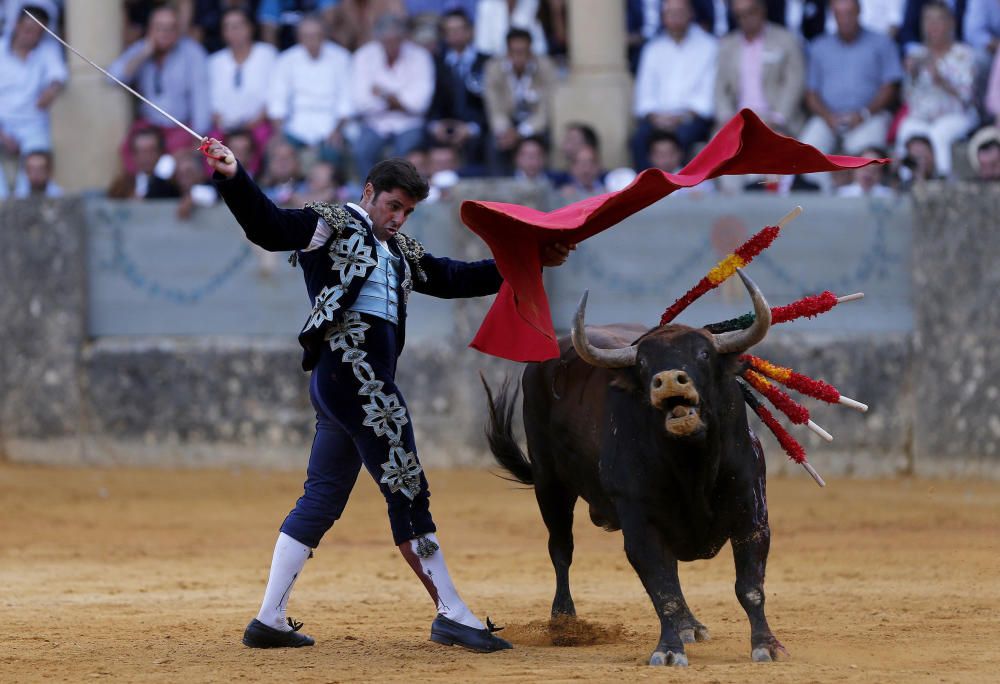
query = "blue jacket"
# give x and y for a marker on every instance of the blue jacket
(335, 272)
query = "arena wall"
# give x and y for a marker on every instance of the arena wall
(131, 337)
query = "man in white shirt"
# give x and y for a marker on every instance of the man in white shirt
(239, 77)
(30, 80)
(392, 85)
(310, 92)
(675, 82)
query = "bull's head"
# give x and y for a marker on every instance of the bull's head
(677, 367)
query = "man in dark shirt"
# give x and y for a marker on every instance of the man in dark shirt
(359, 271)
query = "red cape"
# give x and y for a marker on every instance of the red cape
(519, 325)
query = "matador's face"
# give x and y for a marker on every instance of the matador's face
(388, 210)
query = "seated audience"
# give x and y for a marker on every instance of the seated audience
(150, 180)
(531, 161)
(392, 85)
(354, 20)
(675, 83)
(171, 71)
(918, 166)
(938, 91)
(245, 148)
(852, 82)
(310, 100)
(36, 181)
(30, 80)
(867, 181)
(240, 75)
(761, 67)
(883, 16)
(575, 136)
(419, 157)
(910, 35)
(518, 96)
(984, 154)
(665, 153)
(584, 176)
(201, 20)
(320, 185)
(279, 19)
(991, 103)
(982, 26)
(192, 183)
(282, 173)
(457, 114)
(496, 18)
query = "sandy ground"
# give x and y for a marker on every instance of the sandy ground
(151, 575)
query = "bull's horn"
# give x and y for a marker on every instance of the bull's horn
(741, 340)
(604, 358)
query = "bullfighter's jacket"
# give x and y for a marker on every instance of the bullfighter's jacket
(334, 274)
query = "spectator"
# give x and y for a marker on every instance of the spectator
(643, 21)
(240, 75)
(761, 67)
(867, 180)
(30, 80)
(190, 179)
(665, 154)
(852, 80)
(310, 100)
(805, 18)
(149, 181)
(202, 20)
(392, 84)
(918, 166)
(245, 148)
(36, 181)
(713, 16)
(457, 115)
(554, 19)
(354, 20)
(418, 156)
(584, 175)
(911, 30)
(984, 153)
(518, 97)
(675, 82)
(575, 136)
(282, 174)
(443, 158)
(495, 19)
(279, 19)
(13, 10)
(170, 71)
(992, 100)
(982, 25)
(938, 90)
(320, 185)
(531, 161)
(883, 16)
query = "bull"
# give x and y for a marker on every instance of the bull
(653, 435)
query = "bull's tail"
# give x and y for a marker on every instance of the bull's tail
(500, 432)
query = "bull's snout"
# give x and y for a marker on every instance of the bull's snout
(673, 392)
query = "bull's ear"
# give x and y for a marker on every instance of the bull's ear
(627, 379)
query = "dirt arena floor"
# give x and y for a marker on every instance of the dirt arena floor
(135, 575)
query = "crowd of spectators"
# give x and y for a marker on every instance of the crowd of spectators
(311, 93)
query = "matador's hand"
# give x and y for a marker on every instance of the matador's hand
(219, 157)
(556, 254)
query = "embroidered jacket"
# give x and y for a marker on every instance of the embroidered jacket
(335, 272)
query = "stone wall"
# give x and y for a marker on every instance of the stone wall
(243, 401)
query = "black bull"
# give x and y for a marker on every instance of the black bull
(654, 436)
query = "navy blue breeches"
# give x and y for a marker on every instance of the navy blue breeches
(361, 418)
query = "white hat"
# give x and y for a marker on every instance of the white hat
(984, 136)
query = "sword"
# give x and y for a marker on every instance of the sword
(203, 147)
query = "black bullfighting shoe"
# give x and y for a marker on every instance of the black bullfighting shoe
(451, 633)
(259, 635)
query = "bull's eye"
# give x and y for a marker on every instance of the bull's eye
(703, 355)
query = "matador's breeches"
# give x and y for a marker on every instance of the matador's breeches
(361, 417)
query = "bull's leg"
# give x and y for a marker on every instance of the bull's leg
(751, 541)
(686, 624)
(556, 504)
(646, 553)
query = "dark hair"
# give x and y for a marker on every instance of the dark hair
(396, 173)
(518, 34)
(938, 5)
(663, 136)
(587, 131)
(151, 131)
(988, 145)
(46, 154)
(40, 13)
(919, 137)
(243, 11)
(458, 13)
(535, 139)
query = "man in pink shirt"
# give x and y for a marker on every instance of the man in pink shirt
(392, 86)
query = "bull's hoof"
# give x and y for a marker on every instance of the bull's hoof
(693, 634)
(661, 659)
(768, 652)
(761, 655)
